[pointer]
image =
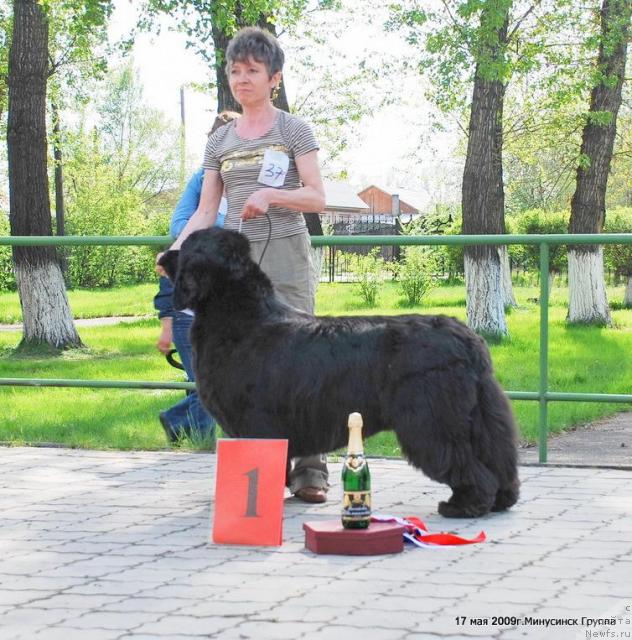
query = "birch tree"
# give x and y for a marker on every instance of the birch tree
(483, 196)
(588, 303)
(465, 44)
(45, 310)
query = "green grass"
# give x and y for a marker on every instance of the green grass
(581, 359)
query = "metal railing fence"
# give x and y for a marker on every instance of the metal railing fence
(543, 395)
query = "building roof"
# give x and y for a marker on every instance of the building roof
(341, 196)
(414, 198)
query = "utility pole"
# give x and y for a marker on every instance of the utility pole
(182, 140)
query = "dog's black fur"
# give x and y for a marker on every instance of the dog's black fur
(265, 370)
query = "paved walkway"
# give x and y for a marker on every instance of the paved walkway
(87, 322)
(605, 443)
(109, 545)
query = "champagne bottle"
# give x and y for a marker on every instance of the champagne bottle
(356, 480)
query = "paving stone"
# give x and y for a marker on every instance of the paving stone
(17, 597)
(335, 632)
(69, 633)
(110, 620)
(264, 630)
(116, 545)
(188, 625)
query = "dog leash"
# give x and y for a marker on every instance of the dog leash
(265, 248)
(172, 361)
(416, 532)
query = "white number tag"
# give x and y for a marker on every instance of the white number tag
(274, 168)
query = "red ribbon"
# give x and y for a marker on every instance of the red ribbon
(415, 531)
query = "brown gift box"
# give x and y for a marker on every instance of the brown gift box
(329, 536)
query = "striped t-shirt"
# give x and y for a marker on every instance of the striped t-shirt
(239, 162)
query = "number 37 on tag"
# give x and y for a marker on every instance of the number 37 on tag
(274, 168)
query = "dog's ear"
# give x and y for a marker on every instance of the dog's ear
(169, 262)
(191, 285)
(235, 250)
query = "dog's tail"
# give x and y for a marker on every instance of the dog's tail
(497, 439)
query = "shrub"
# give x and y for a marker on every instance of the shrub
(445, 221)
(618, 257)
(7, 276)
(369, 273)
(535, 221)
(416, 274)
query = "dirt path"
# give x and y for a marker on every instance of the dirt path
(87, 322)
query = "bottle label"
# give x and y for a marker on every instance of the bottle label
(356, 505)
(355, 462)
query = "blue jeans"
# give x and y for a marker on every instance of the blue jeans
(188, 417)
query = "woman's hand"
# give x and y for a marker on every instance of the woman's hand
(257, 204)
(166, 335)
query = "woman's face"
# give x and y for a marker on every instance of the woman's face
(250, 83)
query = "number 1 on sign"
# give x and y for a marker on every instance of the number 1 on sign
(253, 487)
(249, 490)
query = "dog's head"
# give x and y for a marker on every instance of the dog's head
(210, 262)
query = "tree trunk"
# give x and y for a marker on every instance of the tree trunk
(225, 100)
(485, 295)
(45, 310)
(60, 211)
(508, 297)
(59, 175)
(627, 296)
(588, 303)
(483, 197)
(587, 287)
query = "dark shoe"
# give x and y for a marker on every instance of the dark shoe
(172, 436)
(313, 495)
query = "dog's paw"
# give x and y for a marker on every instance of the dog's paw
(451, 510)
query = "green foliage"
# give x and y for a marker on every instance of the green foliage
(416, 273)
(619, 193)
(99, 209)
(7, 277)
(456, 39)
(549, 57)
(527, 257)
(447, 260)
(77, 33)
(116, 176)
(197, 18)
(369, 272)
(618, 257)
(6, 27)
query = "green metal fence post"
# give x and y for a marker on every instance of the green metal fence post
(544, 350)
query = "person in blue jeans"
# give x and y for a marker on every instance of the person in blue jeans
(187, 418)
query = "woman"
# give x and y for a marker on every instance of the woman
(267, 161)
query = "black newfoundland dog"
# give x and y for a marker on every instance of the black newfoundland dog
(266, 370)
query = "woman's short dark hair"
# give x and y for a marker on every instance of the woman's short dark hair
(258, 44)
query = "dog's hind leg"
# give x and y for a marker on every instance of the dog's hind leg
(451, 462)
(437, 430)
(495, 441)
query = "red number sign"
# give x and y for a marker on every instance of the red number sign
(249, 491)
